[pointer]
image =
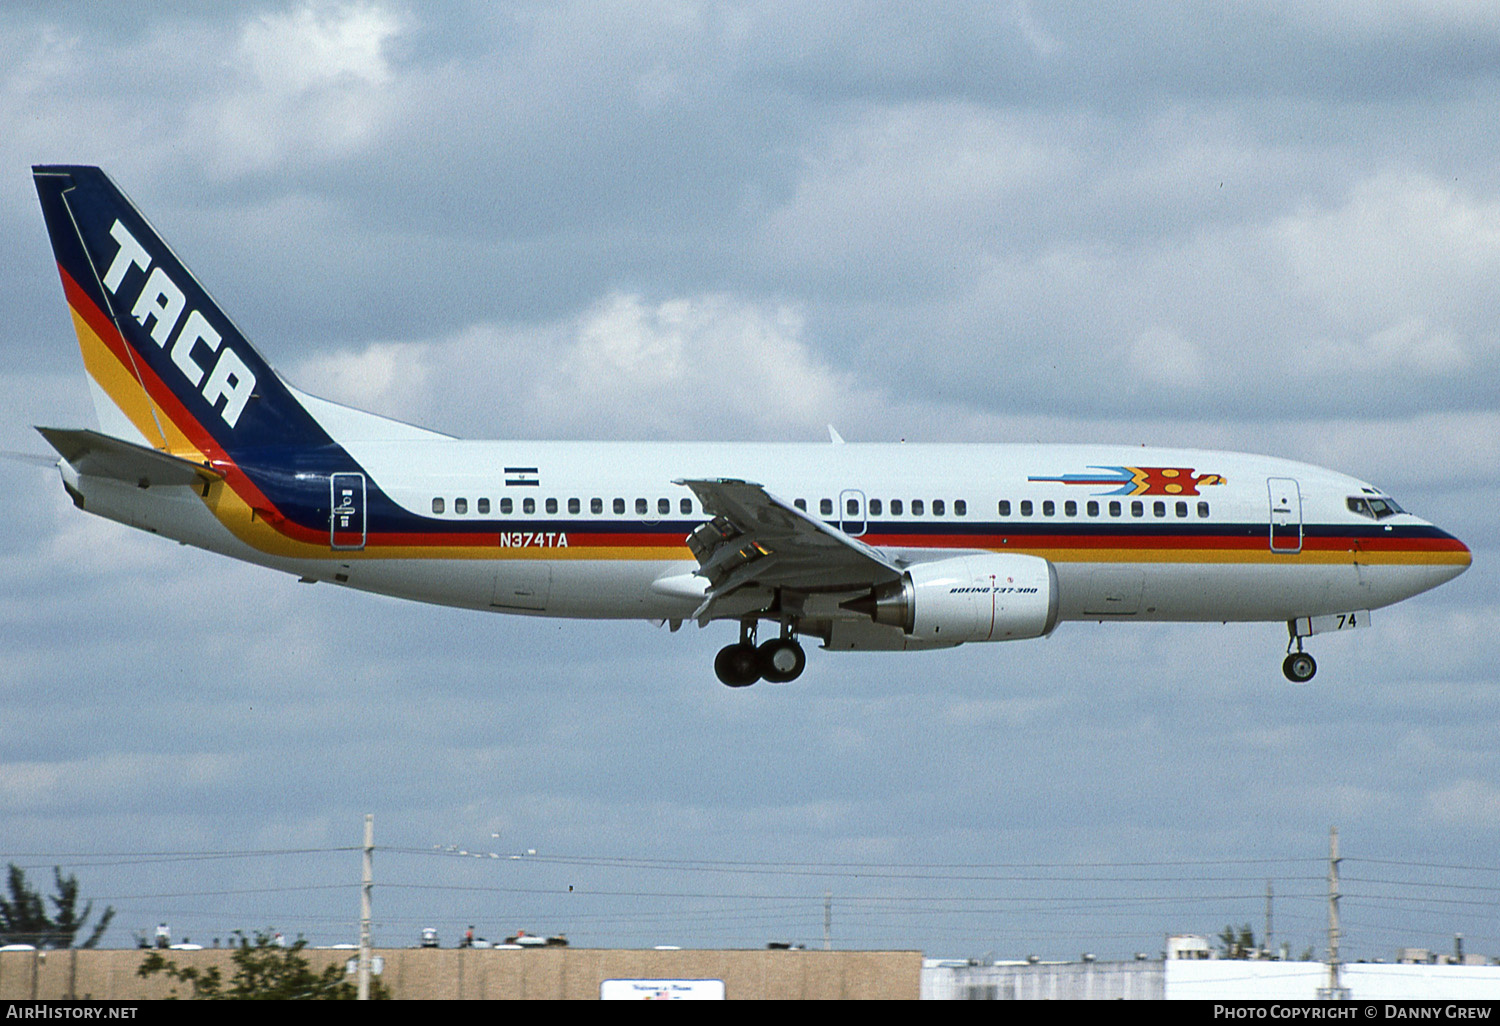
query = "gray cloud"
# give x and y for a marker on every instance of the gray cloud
(1264, 227)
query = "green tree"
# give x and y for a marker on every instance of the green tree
(1238, 944)
(24, 918)
(263, 971)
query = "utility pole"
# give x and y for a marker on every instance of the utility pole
(367, 884)
(827, 920)
(1267, 942)
(1333, 992)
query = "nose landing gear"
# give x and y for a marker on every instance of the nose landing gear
(779, 660)
(1298, 667)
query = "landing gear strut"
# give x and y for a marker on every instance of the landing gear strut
(778, 660)
(1298, 666)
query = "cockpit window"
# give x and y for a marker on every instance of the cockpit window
(1374, 508)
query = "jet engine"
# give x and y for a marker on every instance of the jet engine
(968, 598)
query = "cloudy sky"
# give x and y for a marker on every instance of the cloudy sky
(1265, 225)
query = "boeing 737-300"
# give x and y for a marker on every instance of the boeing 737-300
(859, 546)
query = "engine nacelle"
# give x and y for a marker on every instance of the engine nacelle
(969, 598)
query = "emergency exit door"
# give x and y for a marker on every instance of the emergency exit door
(851, 512)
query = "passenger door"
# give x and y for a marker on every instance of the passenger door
(1286, 514)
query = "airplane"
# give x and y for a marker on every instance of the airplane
(891, 547)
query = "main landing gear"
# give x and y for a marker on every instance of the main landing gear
(1298, 666)
(778, 661)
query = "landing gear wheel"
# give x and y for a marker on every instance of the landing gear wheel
(1299, 667)
(781, 660)
(738, 666)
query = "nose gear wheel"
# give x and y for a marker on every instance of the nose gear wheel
(1299, 667)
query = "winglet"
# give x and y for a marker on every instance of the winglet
(834, 436)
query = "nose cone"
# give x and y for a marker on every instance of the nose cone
(1420, 562)
(1458, 556)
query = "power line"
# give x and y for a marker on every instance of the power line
(1425, 865)
(114, 859)
(784, 865)
(1088, 901)
(1430, 886)
(224, 893)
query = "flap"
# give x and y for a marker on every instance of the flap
(757, 539)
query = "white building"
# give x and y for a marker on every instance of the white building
(1190, 977)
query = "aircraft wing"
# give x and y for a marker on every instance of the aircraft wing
(105, 456)
(757, 539)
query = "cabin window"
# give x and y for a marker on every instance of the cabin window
(641, 508)
(825, 507)
(551, 505)
(1181, 510)
(686, 506)
(938, 507)
(1070, 508)
(1159, 508)
(460, 505)
(663, 506)
(506, 507)
(437, 505)
(1203, 510)
(896, 507)
(1025, 507)
(484, 507)
(528, 506)
(1137, 508)
(575, 507)
(1114, 509)
(960, 508)
(1093, 508)
(851, 507)
(1005, 507)
(918, 507)
(596, 506)
(1048, 508)
(875, 507)
(800, 504)
(619, 506)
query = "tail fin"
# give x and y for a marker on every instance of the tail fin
(166, 365)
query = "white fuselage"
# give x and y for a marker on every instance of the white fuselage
(560, 548)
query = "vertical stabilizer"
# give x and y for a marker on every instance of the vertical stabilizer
(165, 364)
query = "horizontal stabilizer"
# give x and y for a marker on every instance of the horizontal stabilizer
(99, 455)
